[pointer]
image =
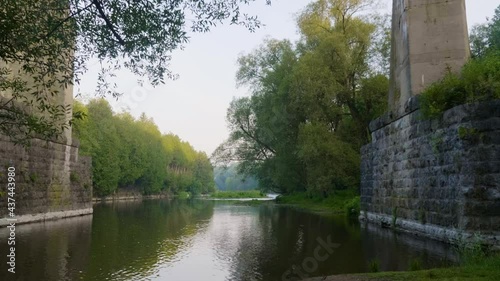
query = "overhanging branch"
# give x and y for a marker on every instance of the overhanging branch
(109, 24)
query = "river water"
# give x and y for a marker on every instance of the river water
(209, 241)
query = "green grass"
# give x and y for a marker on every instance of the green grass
(341, 201)
(415, 264)
(238, 194)
(183, 195)
(374, 265)
(484, 269)
(253, 202)
(488, 269)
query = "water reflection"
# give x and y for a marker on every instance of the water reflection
(206, 240)
(131, 240)
(382, 243)
(54, 250)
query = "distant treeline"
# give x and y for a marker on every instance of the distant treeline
(229, 179)
(129, 152)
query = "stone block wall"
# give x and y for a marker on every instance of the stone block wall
(439, 178)
(51, 178)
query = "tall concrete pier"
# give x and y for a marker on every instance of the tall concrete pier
(428, 37)
(51, 179)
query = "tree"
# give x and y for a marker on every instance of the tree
(331, 162)
(494, 30)
(99, 139)
(203, 176)
(131, 153)
(337, 43)
(152, 179)
(485, 37)
(311, 102)
(46, 45)
(263, 127)
(479, 40)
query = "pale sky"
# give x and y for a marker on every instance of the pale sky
(194, 106)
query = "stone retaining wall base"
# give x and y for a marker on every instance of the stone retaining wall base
(45, 216)
(447, 235)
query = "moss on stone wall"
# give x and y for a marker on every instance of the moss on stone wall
(44, 182)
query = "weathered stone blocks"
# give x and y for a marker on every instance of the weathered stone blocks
(50, 178)
(443, 172)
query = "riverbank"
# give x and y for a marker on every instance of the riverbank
(234, 194)
(484, 269)
(339, 202)
(129, 195)
(252, 202)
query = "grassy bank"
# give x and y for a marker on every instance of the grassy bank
(475, 267)
(253, 202)
(238, 194)
(486, 269)
(183, 195)
(341, 201)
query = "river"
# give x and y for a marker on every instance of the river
(207, 240)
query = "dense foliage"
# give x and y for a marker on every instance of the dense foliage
(128, 152)
(233, 194)
(485, 38)
(340, 201)
(228, 179)
(479, 79)
(47, 45)
(311, 102)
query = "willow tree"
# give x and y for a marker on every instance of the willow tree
(337, 45)
(338, 89)
(311, 102)
(263, 127)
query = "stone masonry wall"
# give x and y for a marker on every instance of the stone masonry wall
(50, 178)
(440, 177)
